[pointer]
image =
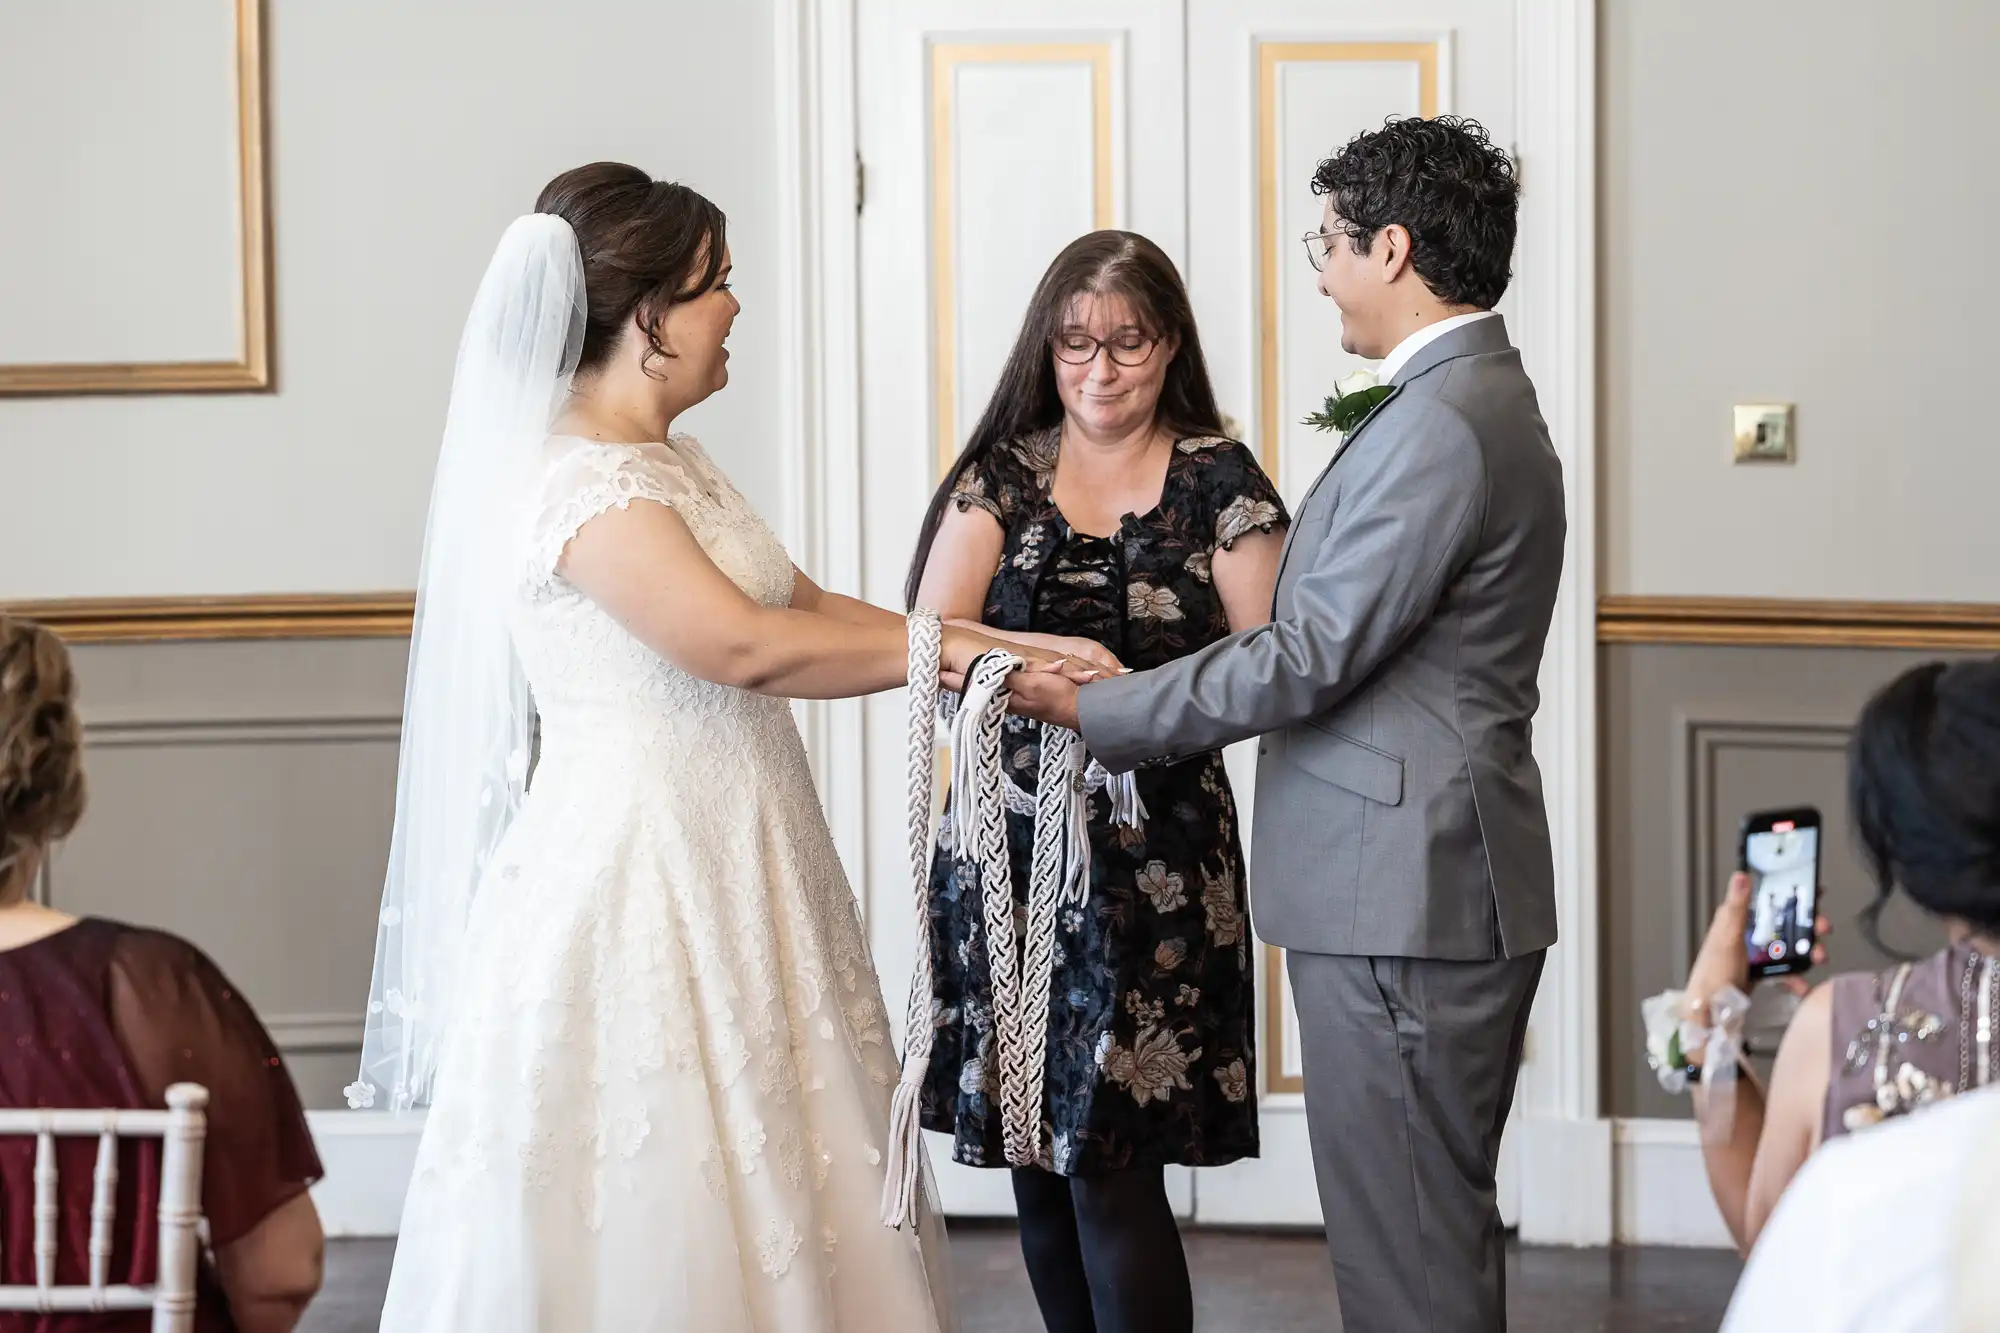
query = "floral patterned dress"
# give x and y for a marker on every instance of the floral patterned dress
(1151, 1050)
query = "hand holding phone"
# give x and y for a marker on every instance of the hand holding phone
(1779, 850)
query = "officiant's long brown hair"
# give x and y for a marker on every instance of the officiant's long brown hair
(1103, 263)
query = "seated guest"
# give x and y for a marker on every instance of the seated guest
(98, 1014)
(1825, 1262)
(1924, 775)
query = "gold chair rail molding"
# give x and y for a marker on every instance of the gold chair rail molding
(1805, 624)
(1620, 619)
(380, 615)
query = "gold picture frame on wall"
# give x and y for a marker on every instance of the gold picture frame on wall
(250, 368)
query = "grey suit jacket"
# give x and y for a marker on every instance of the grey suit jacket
(1399, 807)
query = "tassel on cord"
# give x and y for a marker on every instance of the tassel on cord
(1127, 810)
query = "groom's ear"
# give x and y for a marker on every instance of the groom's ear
(1392, 250)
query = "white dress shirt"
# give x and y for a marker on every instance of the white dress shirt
(1393, 363)
(1867, 1237)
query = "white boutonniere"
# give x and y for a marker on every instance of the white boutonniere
(1353, 399)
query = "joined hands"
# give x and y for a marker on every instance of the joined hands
(1045, 688)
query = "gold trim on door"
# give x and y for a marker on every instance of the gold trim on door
(1780, 622)
(945, 60)
(1272, 1057)
(252, 368)
(167, 619)
(1270, 245)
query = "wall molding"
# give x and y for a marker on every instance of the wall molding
(819, 301)
(1701, 743)
(251, 370)
(315, 1034)
(1564, 1156)
(1782, 622)
(379, 615)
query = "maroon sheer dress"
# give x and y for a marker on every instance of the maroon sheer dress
(101, 1014)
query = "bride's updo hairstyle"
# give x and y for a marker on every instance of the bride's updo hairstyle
(41, 744)
(646, 245)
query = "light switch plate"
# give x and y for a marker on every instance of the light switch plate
(1766, 433)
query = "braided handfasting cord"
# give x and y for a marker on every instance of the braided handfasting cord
(902, 1181)
(1019, 972)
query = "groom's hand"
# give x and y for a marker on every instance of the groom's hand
(1046, 696)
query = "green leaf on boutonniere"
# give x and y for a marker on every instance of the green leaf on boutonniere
(1343, 412)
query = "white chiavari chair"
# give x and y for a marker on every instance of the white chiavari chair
(183, 1127)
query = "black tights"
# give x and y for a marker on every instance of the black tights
(1103, 1251)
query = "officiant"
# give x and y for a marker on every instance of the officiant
(1100, 508)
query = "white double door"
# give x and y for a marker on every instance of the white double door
(994, 132)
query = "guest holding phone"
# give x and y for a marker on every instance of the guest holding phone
(1924, 784)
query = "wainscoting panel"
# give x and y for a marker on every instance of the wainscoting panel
(1694, 736)
(241, 795)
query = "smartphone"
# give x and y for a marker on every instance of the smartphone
(1779, 850)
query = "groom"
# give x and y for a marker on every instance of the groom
(1400, 847)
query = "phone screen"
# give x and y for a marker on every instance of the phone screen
(1783, 861)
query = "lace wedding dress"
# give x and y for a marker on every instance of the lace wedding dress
(664, 1100)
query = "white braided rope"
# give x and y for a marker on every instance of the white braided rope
(901, 1184)
(1019, 972)
(979, 815)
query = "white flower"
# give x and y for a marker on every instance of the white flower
(749, 1147)
(792, 1157)
(1360, 381)
(776, 1246)
(360, 1094)
(714, 1175)
(972, 1078)
(1234, 1080)
(821, 1160)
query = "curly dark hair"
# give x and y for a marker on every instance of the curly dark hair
(1448, 185)
(1924, 787)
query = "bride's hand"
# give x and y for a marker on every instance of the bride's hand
(1091, 653)
(961, 647)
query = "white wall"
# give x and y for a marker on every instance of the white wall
(1798, 204)
(403, 136)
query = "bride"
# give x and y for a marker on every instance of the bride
(634, 993)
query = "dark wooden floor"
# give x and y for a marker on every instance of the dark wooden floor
(1243, 1281)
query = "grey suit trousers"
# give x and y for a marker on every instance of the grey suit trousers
(1424, 1052)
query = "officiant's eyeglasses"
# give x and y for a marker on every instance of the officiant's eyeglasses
(1128, 348)
(1318, 243)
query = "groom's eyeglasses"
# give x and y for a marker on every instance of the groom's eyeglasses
(1128, 348)
(1318, 243)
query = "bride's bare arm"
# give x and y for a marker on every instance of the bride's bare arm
(643, 566)
(964, 556)
(809, 596)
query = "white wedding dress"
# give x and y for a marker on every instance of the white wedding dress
(663, 1098)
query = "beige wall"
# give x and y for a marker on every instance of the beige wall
(241, 796)
(403, 137)
(1798, 198)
